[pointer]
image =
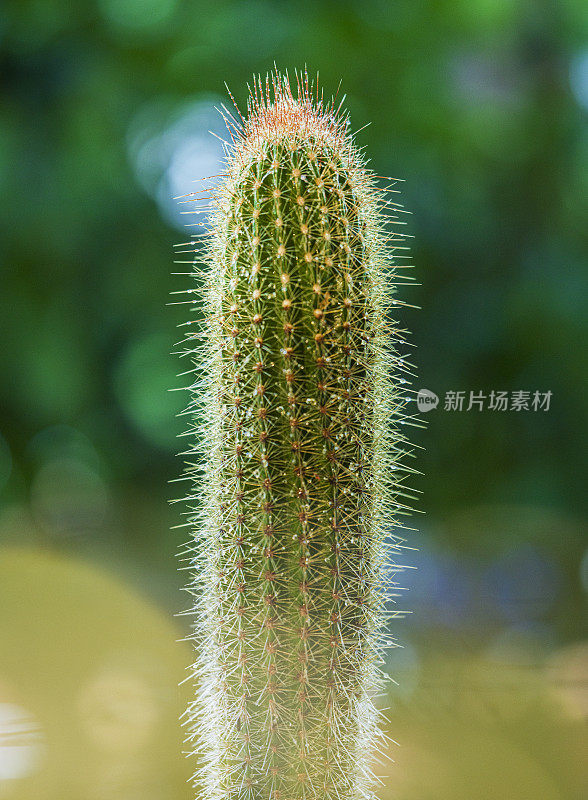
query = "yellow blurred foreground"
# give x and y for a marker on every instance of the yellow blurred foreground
(89, 697)
(90, 704)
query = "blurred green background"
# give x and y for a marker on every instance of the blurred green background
(481, 106)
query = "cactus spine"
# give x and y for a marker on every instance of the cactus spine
(297, 473)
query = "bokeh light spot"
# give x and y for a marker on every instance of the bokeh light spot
(579, 78)
(172, 150)
(143, 379)
(21, 744)
(118, 710)
(63, 441)
(137, 14)
(567, 672)
(69, 498)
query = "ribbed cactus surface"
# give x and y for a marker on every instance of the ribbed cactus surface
(297, 474)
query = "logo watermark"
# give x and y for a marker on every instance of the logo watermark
(519, 400)
(426, 400)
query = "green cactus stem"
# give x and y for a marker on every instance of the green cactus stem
(297, 468)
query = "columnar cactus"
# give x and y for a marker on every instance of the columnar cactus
(298, 477)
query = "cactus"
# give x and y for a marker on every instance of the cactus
(297, 467)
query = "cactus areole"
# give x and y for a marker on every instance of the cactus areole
(297, 468)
